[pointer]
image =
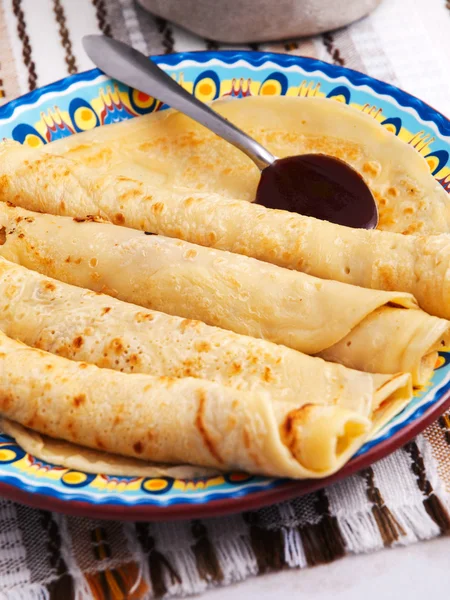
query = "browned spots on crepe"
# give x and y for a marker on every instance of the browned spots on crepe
(83, 365)
(117, 420)
(79, 400)
(157, 208)
(4, 181)
(235, 368)
(134, 360)
(413, 228)
(99, 443)
(48, 285)
(129, 195)
(106, 310)
(186, 323)
(199, 423)
(267, 376)
(138, 447)
(6, 401)
(202, 346)
(119, 219)
(141, 317)
(77, 342)
(21, 236)
(393, 192)
(371, 168)
(99, 157)
(190, 253)
(2, 235)
(117, 346)
(189, 202)
(167, 381)
(387, 277)
(248, 446)
(293, 420)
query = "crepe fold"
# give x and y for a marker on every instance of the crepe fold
(177, 420)
(343, 323)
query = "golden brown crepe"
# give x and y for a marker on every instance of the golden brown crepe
(87, 326)
(125, 188)
(170, 151)
(177, 420)
(343, 323)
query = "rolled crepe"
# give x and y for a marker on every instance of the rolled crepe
(127, 193)
(169, 151)
(87, 326)
(177, 420)
(229, 291)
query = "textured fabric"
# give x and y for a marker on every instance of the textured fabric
(397, 501)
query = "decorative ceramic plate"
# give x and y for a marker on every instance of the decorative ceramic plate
(89, 100)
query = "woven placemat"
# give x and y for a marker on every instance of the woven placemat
(400, 500)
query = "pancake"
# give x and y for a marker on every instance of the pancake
(170, 151)
(343, 323)
(171, 420)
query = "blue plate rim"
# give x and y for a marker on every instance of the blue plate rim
(254, 58)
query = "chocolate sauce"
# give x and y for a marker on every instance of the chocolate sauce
(320, 186)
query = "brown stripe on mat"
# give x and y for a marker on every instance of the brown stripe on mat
(389, 527)
(63, 586)
(65, 37)
(165, 30)
(2, 91)
(267, 544)
(118, 582)
(291, 46)
(205, 555)
(158, 564)
(211, 45)
(444, 423)
(322, 541)
(10, 84)
(434, 507)
(335, 54)
(26, 46)
(438, 434)
(102, 20)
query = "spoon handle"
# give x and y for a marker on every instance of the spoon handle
(133, 68)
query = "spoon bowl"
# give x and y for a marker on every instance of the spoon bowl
(318, 186)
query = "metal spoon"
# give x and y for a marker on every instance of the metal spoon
(315, 185)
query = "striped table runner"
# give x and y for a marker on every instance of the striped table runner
(398, 501)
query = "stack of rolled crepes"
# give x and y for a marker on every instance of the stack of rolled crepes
(220, 377)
